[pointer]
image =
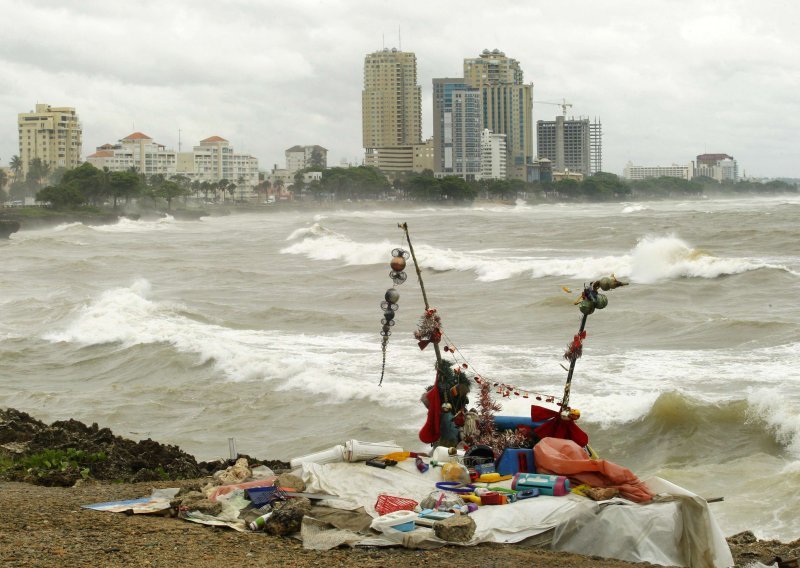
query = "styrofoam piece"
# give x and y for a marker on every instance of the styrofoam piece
(331, 455)
(398, 520)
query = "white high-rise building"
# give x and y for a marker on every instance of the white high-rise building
(493, 155)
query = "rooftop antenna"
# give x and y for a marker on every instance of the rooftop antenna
(179, 140)
(399, 39)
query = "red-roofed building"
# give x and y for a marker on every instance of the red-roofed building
(211, 161)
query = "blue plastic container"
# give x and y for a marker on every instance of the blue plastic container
(515, 460)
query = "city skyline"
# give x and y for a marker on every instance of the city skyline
(669, 81)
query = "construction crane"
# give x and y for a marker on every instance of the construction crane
(563, 104)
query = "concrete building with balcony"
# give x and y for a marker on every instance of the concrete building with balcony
(52, 134)
(390, 108)
(302, 157)
(634, 173)
(493, 155)
(210, 161)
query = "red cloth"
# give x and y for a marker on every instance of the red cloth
(565, 457)
(557, 427)
(431, 430)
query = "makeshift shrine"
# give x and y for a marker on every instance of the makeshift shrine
(480, 476)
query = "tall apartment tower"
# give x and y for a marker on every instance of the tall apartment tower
(391, 105)
(506, 104)
(457, 127)
(575, 145)
(52, 134)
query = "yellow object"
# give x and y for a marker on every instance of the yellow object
(592, 454)
(581, 489)
(492, 477)
(472, 497)
(397, 456)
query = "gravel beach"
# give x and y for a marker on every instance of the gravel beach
(46, 526)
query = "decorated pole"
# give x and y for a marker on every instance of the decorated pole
(404, 226)
(579, 337)
(589, 300)
(561, 423)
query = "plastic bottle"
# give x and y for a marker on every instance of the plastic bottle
(260, 522)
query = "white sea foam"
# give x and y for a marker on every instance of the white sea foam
(66, 227)
(781, 416)
(342, 366)
(659, 258)
(635, 208)
(652, 260)
(125, 225)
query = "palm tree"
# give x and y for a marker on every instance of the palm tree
(38, 171)
(16, 166)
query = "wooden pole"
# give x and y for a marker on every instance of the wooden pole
(404, 226)
(565, 399)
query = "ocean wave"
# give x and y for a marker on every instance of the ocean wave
(653, 259)
(343, 366)
(635, 208)
(679, 429)
(125, 225)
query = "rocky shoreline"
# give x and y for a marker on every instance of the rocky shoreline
(49, 471)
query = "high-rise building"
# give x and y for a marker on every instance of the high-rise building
(52, 134)
(457, 126)
(506, 105)
(391, 104)
(493, 155)
(573, 145)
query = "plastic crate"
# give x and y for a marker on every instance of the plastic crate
(389, 504)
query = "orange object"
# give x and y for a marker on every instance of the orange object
(565, 457)
(225, 489)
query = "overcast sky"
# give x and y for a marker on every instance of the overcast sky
(669, 80)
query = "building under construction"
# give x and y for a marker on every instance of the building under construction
(574, 145)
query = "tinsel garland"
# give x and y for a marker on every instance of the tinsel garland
(575, 347)
(486, 433)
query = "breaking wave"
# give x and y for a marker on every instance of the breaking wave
(652, 260)
(125, 225)
(678, 429)
(128, 318)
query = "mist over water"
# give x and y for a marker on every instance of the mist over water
(264, 327)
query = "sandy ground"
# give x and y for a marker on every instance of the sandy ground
(45, 526)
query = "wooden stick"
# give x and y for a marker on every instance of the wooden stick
(404, 226)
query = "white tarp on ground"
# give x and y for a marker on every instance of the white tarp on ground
(677, 530)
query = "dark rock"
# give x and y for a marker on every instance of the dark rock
(196, 501)
(7, 228)
(287, 517)
(458, 528)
